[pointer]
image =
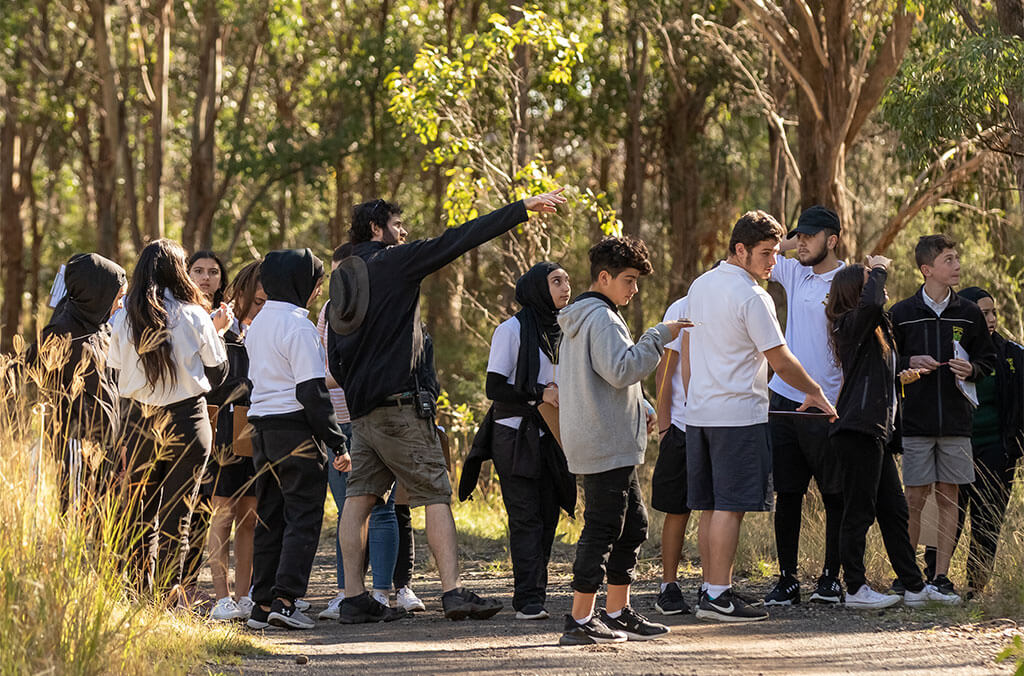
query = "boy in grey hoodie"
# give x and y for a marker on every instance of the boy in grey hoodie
(604, 423)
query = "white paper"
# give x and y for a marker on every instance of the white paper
(969, 390)
(58, 291)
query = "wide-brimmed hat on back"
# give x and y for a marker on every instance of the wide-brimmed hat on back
(350, 296)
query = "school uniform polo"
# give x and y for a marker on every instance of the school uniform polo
(284, 350)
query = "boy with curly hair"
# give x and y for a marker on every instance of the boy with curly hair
(604, 423)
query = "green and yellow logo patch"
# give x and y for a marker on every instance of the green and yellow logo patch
(958, 333)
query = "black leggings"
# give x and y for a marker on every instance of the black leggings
(167, 453)
(406, 547)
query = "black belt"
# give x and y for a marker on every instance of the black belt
(399, 400)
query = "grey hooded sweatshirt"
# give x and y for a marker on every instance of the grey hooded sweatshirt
(601, 410)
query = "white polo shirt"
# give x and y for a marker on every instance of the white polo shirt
(676, 311)
(728, 370)
(284, 350)
(807, 327)
(194, 344)
(505, 356)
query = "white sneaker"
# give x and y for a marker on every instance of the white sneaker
(930, 594)
(302, 604)
(406, 598)
(381, 597)
(333, 609)
(245, 606)
(226, 609)
(866, 597)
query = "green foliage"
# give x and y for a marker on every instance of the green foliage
(953, 87)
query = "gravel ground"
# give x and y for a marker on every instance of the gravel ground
(806, 639)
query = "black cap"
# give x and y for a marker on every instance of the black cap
(814, 220)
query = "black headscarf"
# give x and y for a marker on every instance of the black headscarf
(290, 275)
(538, 325)
(92, 283)
(973, 293)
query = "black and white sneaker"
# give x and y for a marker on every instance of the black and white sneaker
(591, 632)
(829, 591)
(460, 603)
(671, 601)
(729, 608)
(258, 618)
(635, 626)
(786, 592)
(532, 611)
(944, 585)
(897, 587)
(288, 617)
(364, 608)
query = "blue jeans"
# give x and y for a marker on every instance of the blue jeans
(382, 536)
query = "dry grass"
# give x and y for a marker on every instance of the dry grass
(66, 604)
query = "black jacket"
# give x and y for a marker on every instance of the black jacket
(1010, 388)
(378, 359)
(867, 400)
(235, 390)
(934, 406)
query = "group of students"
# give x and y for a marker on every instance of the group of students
(350, 403)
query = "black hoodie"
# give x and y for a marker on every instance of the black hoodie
(92, 283)
(934, 406)
(290, 276)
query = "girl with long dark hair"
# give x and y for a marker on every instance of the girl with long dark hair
(209, 273)
(169, 356)
(231, 485)
(862, 342)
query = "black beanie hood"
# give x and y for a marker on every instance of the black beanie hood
(973, 293)
(290, 275)
(92, 283)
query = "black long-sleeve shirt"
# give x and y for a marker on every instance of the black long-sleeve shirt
(377, 360)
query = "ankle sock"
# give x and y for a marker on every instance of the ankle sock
(584, 620)
(716, 590)
(614, 615)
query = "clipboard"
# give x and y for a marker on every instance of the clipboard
(241, 432)
(550, 415)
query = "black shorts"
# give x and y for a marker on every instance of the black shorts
(231, 477)
(800, 450)
(729, 469)
(668, 486)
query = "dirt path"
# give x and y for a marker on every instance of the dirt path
(804, 640)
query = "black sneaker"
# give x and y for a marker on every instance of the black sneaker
(749, 600)
(635, 626)
(364, 608)
(461, 603)
(728, 608)
(288, 617)
(829, 591)
(785, 593)
(258, 618)
(944, 585)
(532, 611)
(589, 633)
(671, 601)
(897, 587)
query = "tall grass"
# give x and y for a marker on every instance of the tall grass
(65, 605)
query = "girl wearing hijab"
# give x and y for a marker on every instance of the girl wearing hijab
(232, 486)
(294, 421)
(860, 333)
(94, 287)
(169, 356)
(530, 465)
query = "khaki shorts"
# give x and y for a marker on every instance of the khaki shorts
(927, 460)
(391, 444)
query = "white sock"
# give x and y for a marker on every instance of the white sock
(716, 590)
(614, 615)
(584, 620)
(703, 586)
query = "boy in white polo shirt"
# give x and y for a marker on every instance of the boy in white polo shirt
(800, 445)
(728, 457)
